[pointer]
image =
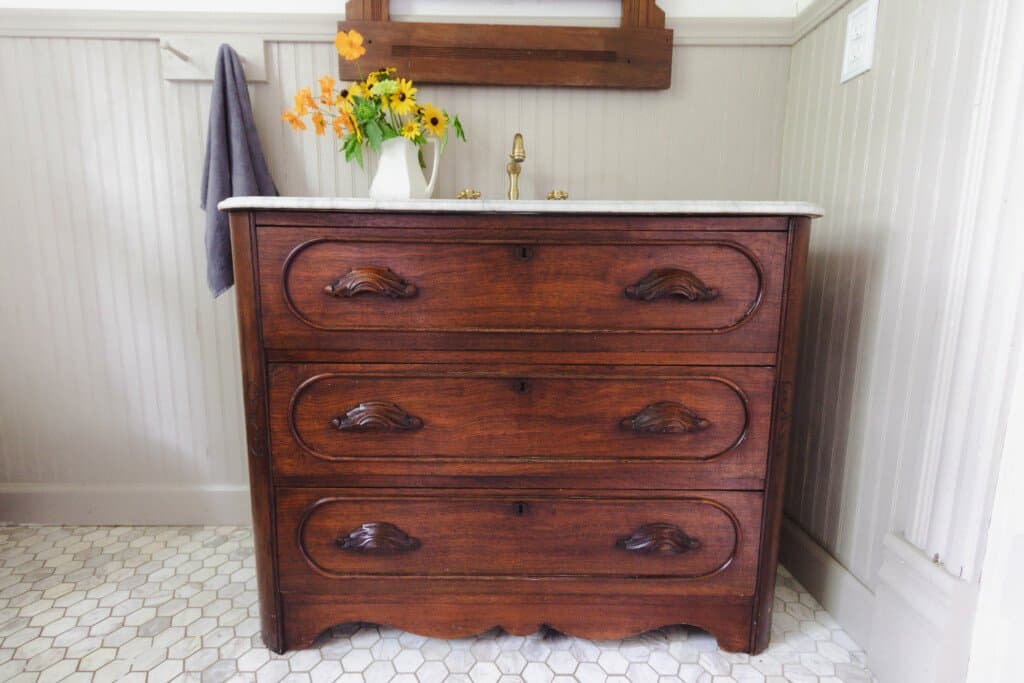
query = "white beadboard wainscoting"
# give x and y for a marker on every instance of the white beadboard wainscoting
(121, 399)
(914, 291)
(121, 392)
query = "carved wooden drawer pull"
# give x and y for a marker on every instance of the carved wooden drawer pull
(377, 416)
(378, 538)
(659, 538)
(372, 280)
(665, 282)
(665, 417)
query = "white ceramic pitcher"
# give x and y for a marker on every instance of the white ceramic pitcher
(399, 175)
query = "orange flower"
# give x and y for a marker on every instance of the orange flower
(344, 123)
(294, 120)
(304, 102)
(318, 123)
(350, 45)
(326, 90)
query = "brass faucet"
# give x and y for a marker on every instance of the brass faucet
(517, 156)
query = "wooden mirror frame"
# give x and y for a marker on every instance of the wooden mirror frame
(637, 55)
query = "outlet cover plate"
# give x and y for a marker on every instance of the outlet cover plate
(859, 52)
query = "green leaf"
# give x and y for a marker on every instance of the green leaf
(374, 134)
(419, 154)
(460, 133)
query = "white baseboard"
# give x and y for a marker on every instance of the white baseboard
(124, 504)
(921, 630)
(841, 593)
(916, 624)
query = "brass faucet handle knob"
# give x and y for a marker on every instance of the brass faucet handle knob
(558, 194)
(518, 148)
(468, 193)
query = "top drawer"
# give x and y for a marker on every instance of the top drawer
(330, 288)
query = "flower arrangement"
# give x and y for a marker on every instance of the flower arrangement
(368, 112)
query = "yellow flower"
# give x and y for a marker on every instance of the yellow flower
(402, 100)
(304, 102)
(326, 90)
(350, 45)
(434, 120)
(347, 95)
(294, 120)
(318, 123)
(411, 129)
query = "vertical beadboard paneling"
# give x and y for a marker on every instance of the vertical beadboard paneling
(881, 153)
(120, 373)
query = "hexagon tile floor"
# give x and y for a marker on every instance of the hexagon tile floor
(179, 604)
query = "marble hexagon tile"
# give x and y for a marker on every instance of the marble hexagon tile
(159, 604)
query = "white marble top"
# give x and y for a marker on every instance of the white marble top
(713, 207)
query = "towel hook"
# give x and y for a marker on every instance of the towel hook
(165, 45)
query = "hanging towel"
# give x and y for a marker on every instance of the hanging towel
(234, 165)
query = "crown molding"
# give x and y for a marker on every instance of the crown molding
(320, 28)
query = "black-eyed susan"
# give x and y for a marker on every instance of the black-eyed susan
(411, 129)
(347, 95)
(403, 100)
(434, 120)
(349, 45)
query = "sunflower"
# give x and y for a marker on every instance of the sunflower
(318, 123)
(411, 129)
(304, 102)
(295, 121)
(434, 120)
(403, 101)
(349, 45)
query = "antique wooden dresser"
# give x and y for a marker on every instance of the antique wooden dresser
(472, 414)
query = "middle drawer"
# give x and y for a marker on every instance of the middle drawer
(536, 425)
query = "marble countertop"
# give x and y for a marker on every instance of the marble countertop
(711, 207)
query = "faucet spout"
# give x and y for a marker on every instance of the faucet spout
(514, 168)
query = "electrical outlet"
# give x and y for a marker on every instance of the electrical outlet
(859, 52)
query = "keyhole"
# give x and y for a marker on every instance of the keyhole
(524, 253)
(522, 386)
(520, 509)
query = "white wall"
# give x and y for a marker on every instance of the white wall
(531, 8)
(909, 330)
(121, 388)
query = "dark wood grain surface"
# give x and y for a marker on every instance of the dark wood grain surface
(461, 421)
(507, 294)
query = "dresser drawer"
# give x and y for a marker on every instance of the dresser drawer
(536, 423)
(335, 534)
(323, 290)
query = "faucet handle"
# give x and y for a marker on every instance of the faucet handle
(558, 194)
(518, 148)
(468, 193)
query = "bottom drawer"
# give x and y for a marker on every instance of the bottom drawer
(330, 534)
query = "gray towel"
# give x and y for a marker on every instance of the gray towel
(234, 165)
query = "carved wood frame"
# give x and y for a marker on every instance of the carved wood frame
(637, 55)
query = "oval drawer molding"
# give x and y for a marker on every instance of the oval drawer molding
(671, 282)
(560, 289)
(377, 416)
(482, 534)
(659, 538)
(378, 538)
(665, 417)
(561, 417)
(372, 280)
